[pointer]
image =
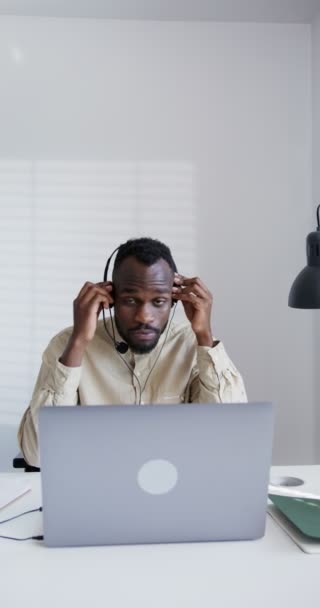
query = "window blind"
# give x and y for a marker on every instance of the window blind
(60, 220)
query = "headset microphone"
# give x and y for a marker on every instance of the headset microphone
(121, 347)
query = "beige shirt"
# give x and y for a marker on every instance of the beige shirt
(177, 370)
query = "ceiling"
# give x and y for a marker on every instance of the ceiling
(283, 11)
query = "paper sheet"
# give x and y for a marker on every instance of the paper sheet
(291, 491)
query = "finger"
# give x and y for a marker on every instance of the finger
(105, 284)
(188, 297)
(195, 289)
(107, 287)
(84, 289)
(94, 292)
(96, 304)
(184, 281)
(89, 285)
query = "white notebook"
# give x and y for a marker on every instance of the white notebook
(11, 489)
(294, 492)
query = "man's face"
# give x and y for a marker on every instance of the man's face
(142, 302)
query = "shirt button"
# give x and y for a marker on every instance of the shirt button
(138, 374)
(141, 402)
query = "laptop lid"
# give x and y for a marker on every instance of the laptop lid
(156, 473)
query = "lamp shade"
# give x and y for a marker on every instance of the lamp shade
(305, 291)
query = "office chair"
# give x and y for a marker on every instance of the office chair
(20, 463)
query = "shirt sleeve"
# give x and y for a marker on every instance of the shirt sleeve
(56, 385)
(215, 379)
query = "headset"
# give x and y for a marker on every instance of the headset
(122, 347)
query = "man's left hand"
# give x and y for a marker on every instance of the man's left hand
(197, 303)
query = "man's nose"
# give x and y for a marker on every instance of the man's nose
(144, 314)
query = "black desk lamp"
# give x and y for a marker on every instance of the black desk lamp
(305, 291)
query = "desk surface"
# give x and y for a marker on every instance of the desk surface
(271, 571)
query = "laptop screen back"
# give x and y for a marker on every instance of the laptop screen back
(156, 473)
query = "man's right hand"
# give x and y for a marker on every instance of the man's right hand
(86, 309)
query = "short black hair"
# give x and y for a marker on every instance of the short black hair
(146, 250)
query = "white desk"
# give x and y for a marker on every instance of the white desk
(270, 572)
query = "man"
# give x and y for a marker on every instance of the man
(142, 357)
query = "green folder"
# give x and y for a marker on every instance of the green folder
(304, 513)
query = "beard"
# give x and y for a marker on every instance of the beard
(140, 347)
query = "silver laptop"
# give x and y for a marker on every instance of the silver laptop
(154, 474)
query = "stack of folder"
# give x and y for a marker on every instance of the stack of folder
(298, 513)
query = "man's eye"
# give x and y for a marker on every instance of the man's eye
(129, 301)
(159, 302)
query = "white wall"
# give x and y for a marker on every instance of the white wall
(316, 201)
(234, 102)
